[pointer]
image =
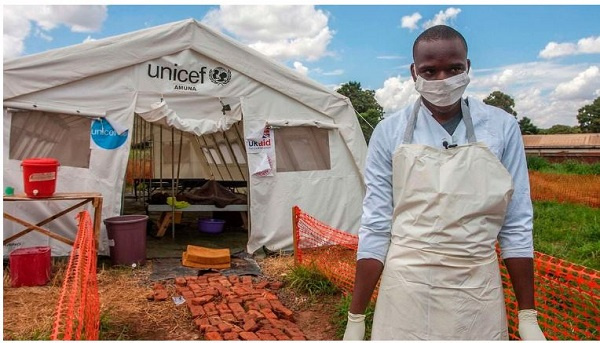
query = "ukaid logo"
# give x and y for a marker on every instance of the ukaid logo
(105, 137)
(189, 79)
(265, 144)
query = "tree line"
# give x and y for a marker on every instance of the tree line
(370, 112)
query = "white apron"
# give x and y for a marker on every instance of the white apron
(441, 279)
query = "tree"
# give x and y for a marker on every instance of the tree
(501, 100)
(589, 117)
(527, 127)
(560, 129)
(365, 104)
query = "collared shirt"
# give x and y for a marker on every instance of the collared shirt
(493, 126)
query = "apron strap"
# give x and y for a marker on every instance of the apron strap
(412, 122)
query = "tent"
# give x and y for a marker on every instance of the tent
(302, 143)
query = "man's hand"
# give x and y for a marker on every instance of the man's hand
(529, 330)
(355, 329)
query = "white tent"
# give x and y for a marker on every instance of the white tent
(79, 103)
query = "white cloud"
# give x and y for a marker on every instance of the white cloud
(299, 67)
(88, 39)
(396, 94)
(283, 32)
(589, 45)
(411, 22)
(584, 85)
(334, 72)
(534, 88)
(443, 17)
(18, 19)
(389, 57)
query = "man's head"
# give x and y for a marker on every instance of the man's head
(440, 53)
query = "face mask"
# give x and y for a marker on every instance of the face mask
(443, 92)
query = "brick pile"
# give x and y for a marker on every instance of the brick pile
(237, 308)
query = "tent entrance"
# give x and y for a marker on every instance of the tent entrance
(167, 162)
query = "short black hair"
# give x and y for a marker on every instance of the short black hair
(439, 32)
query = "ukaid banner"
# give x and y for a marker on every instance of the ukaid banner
(262, 154)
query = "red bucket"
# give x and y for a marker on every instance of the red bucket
(30, 266)
(39, 176)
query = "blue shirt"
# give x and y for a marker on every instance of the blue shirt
(493, 126)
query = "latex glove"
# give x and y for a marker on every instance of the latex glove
(355, 329)
(529, 330)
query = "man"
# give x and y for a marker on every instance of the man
(446, 178)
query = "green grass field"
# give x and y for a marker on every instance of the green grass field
(567, 231)
(568, 167)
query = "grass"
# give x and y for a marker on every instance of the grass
(567, 231)
(309, 280)
(568, 167)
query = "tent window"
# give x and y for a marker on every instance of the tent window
(239, 154)
(302, 148)
(64, 137)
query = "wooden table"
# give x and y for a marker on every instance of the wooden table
(167, 213)
(94, 198)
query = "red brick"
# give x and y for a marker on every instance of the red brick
(158, 285)
(199, 322)
(298, 338)
(202, 300)
(269, 296)
(205, 326)
(292, 331)
(275, 285)
(235, 307)
(252, 305)
(262, 303)
(241, 291)
(262, 284)
(232, 298)
(250, 325)
(187, 294)
(224, 327)
(190, 278)
(246, 279)
(231, 336)
(268, 313)
(202, 280)
(225, 283)
(211, 328)
(248, 336)
(213, 336)
(257, 315)
(283, 312)
(160, 294)
(228, 317)
(197, 311)
(180, 281)
(233, 279)
(236, 328)
(239, 315)
(215, 320)
(276, 323)
(223, 308)
(277, 332)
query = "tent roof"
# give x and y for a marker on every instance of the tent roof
(29, 74)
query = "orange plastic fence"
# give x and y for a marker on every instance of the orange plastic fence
(78, 310)
(567, 295)
(578, 189)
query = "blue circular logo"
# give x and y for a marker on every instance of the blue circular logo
(105, 136)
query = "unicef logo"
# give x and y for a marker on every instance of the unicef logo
(220, 75)
(105, 136)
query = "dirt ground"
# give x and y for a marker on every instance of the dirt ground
(126, 314)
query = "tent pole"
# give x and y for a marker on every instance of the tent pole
(232, 153)
(173, 181)
(220, 153)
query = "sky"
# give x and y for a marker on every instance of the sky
(547, 57)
